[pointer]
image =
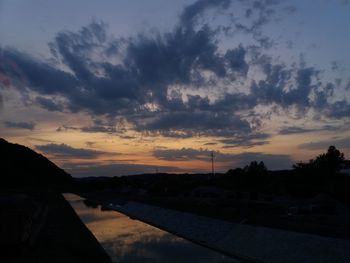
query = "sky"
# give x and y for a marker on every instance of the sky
(108, 88)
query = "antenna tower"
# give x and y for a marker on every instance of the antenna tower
(212, 162)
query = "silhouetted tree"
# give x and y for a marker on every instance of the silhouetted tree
(329, 162)
(255, 167)
(236, 171)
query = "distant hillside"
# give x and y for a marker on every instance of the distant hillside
(21, 166)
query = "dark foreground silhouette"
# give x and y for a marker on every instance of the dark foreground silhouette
(313, 197)
(21, 166)
(36, 223)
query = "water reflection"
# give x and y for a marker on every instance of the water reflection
(127, 240)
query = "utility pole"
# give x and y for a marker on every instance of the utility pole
(212, 162)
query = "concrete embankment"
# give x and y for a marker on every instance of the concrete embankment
(243, 242)
(41, 226)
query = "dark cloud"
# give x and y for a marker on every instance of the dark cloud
(39, 76)
(274, 88)
(272, 161)
(49, 104)
(141, 87)
(197, 123)
(39, 139)
(184, 154)
(338, 110)
(67, 152)
(20, 125)
(236, 60)
(73, 48)
(117, 169)
(67, 128)
(295, 130)
(341, 144)
(191, 12)
(257, 14)
(90, 143)
(210, 143)
(104, 129)
(99, 125)
(246, 140)
(177, 57)
(127, 137)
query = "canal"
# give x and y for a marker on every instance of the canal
(128, 240)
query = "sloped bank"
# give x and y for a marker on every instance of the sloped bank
(41, 226)
(243, 242)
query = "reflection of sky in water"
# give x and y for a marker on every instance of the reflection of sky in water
(127, 240)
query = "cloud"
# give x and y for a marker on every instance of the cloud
(184, 154)
(274, 88)
(272, 161)
(236, 59)
(38, 75)
(180, 83)
(99, 125)
(323, 145)
(210, 143)
(257, 14)
(20, 125)
(67, 152)
(338, 110)
(117, 169)
(49, 104)
(295, 130)
(97, 128)
(196, 123)
(66, 128)
(191, 12)
(90, 143)
(246, 140)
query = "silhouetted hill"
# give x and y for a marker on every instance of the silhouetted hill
(21, 166)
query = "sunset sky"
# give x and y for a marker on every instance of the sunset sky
(123, 87)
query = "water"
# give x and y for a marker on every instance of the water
(128, 240)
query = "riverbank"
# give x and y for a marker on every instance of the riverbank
(41, 226)
(244, 242)
(127, 240)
